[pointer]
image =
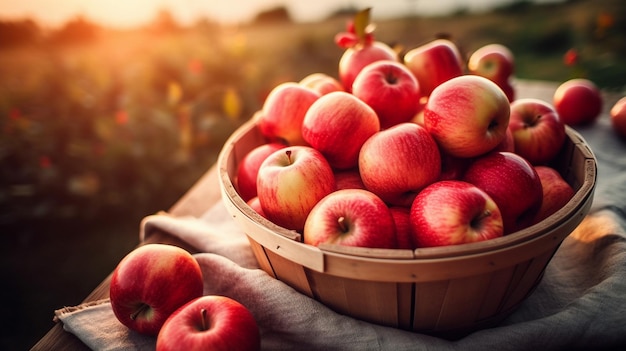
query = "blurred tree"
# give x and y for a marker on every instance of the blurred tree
(76, 31)
(19, 32)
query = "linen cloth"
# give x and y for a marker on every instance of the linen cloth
(579, 304)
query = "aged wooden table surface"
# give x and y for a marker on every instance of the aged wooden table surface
(204, 193)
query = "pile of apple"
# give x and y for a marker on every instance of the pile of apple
(157, 290)
(408, 151)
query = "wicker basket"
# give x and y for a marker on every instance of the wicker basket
(445, 291)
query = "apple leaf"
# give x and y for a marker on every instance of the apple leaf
(361, 22)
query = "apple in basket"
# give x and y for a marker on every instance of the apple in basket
(361, 48)
(248, 168)
(280, 119)
(434, 63)
(210, 322)
(556, 192)
(537, 130)
(451, 212)
(618, 117)
(321, 83)
(390, 89)
(578, 101)
(391, 168)
(467, 115)
(512, 182)
(150, 283)
(496, 63)
(351, 217)
(290, 182)
(337, 125)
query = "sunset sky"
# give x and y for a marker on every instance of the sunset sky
(128, 13)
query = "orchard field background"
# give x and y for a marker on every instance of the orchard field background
(101, 127)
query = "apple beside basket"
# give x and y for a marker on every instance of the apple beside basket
(444, 291)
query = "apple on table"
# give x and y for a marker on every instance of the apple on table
(578, 102)
(150, 283)
(618, 117)
(210, 322)
(452, 212)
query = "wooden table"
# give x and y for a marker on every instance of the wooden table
(206, 192)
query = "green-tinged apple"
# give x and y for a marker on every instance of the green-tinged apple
(210, 322)
(578, 101)
(283, 112)
(401, 219)
(537, 130)
(249, 168)
(495, 62)
(361, 48)
(434, 63)
(556, 192)
(512, 183)
(351, 217)
(337, 125)
(398, 162)
(322, 83)
(150, 283)
(467, 115)
(348, 179)
(390, 89)
(618, 117)
(290, 182)
(452, 212)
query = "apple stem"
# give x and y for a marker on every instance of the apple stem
(139, 311)
(342, 224)
(288, 153)
(205, 323)
(480, 217)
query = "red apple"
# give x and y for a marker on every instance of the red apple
(401, 219)
(354, 59)
(556, 192)
(210, 322)
(321, 83)
(508, 144)
(390, 89)
(467, 115)
(249, 168)
(398, 162)
(512, 183)
(434, 63)
(150, 283)
(453, 168)
(618, 117)
(337, 125)
(578, 101)
(283, 112)
(496, 63)
(537, 130)
(351, 217)
(452, 212)
(290, 182)
(348, 179)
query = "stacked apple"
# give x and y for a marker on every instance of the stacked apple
(405, 152)
(157, 290)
